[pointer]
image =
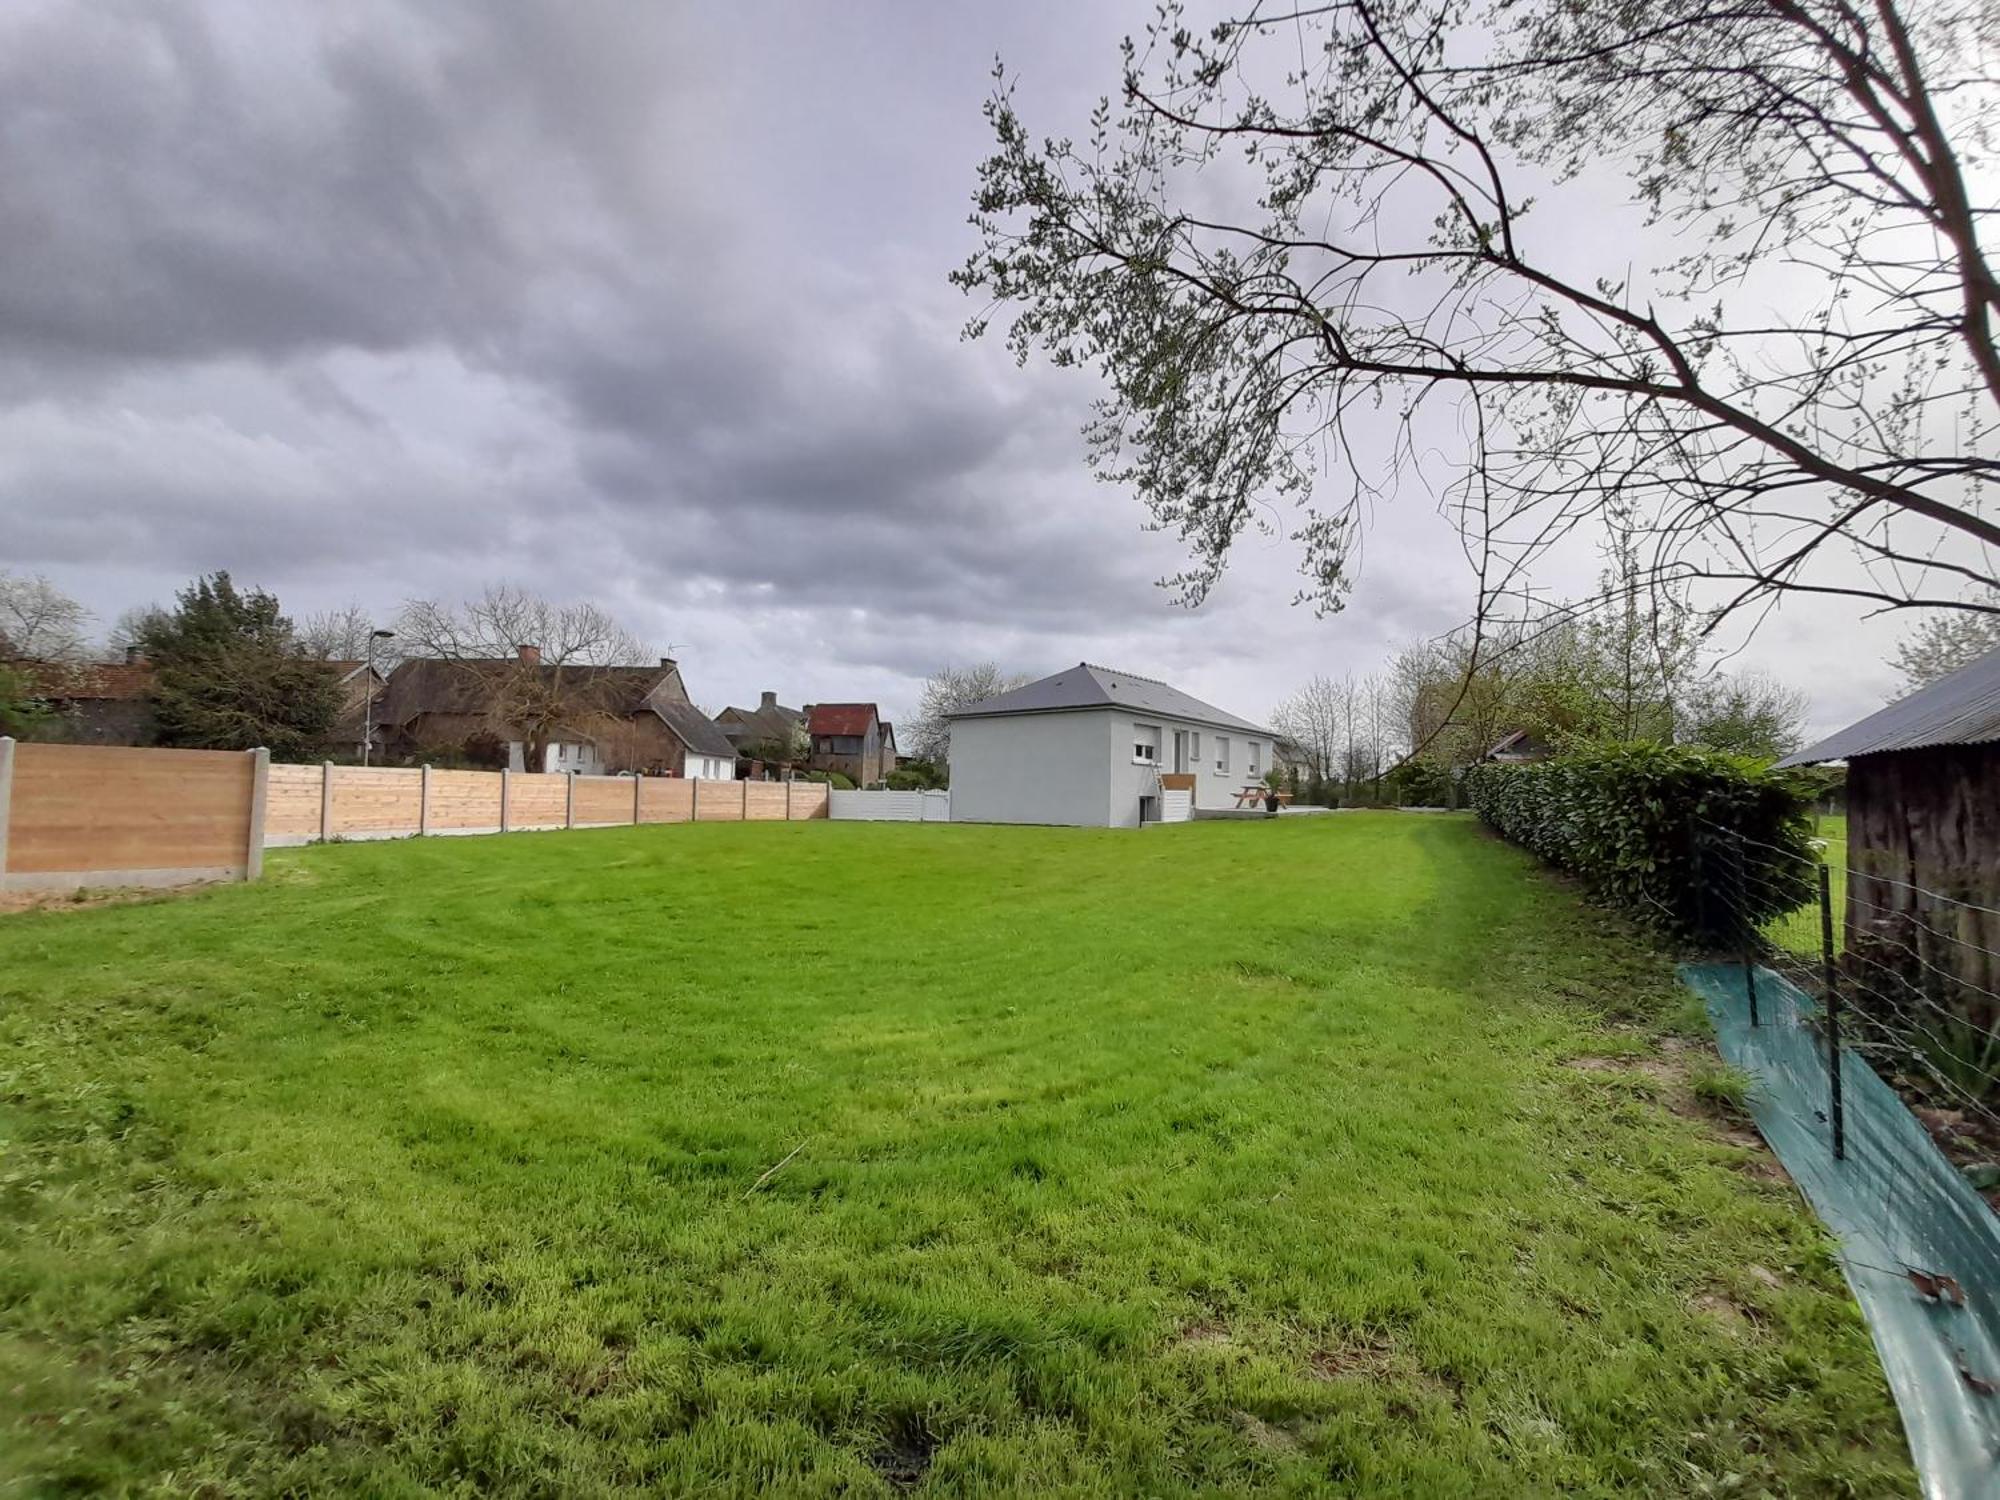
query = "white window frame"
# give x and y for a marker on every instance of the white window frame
(1152, 755)
(1222, 755)
(1250, 761)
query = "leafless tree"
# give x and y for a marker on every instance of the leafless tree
(344, 634)
(1711, 265)
(946, 691)
(1312, 719)
(129, 631)
(39, 622)
(540, 666)
(1946, 642)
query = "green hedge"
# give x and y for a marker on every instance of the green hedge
(838, 780)
(1638, 825)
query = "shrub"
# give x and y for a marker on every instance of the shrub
(917, 776)
(1637, 824)
(839, 780)
(1420, 783)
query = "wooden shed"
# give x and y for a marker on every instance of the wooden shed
(1923, 824)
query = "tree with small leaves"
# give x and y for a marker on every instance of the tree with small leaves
(230, 674)
(1323, 254)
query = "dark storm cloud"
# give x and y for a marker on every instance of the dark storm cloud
(644, 304)
(200, 190)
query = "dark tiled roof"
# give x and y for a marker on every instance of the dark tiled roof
(695, 730)
(840, 718)
(423, 685)
(1086, 686)
(1962, 709)
(760, 725)
(94, 681)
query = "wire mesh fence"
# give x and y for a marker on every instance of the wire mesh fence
(1904, 976)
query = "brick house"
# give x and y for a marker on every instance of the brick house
(359, 682)
(752, 730)
(95, 703)
(846, 737)
(613, 718)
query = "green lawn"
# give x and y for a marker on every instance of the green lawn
(1326, 1155)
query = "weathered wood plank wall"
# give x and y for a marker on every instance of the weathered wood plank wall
(1923, 851)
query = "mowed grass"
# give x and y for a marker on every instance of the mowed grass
(863, 1158)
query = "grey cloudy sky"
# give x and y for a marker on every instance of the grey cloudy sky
(642, 304)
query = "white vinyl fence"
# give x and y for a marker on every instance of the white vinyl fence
(892, 807)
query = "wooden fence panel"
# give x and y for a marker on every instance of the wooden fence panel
(291, 803)
(764, 801)
(118, 815)
(537, 799)
(718, 801)
(809, 799)
(465, 799)
(375, 799)
(603, 799)
(666, 799)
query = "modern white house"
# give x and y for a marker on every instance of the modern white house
(1098, 748)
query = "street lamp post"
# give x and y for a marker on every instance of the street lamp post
(368, 699)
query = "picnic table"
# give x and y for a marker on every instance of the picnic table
(1254, 795)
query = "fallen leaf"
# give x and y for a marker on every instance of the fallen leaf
(1937, 1288)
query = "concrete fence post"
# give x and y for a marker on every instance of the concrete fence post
(424, 799)
(260, 789)
(6, 797)
(788, 799)
(637, 782)
(325, 800)
(569, 801)
(743, 804)
(694, 799)
(506, 795)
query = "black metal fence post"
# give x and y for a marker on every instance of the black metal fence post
(1832, 1013)
(1749, 929)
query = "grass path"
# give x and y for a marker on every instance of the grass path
(843, 1158)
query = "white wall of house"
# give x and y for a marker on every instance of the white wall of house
(710, 767)
(1222, 761)
(1091, 767)
(1032, 768)
(557, 756)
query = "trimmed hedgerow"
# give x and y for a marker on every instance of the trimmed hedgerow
(1642, 825)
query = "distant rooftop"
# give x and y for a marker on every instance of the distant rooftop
(1087, 685)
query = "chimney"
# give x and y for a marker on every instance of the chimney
(530, 655)
(132, 656)
(666, 663)
(767, 700)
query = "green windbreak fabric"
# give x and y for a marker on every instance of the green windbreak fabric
(1896, 1205)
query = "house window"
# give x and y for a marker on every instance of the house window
(1145, 744)
(1222, 753)
(1250, 758)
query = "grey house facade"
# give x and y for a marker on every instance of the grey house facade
(1093, 747)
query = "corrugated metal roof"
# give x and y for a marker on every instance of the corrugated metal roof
(1086, 686)
(1962, 709)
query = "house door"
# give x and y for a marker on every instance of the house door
(1181, 766)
